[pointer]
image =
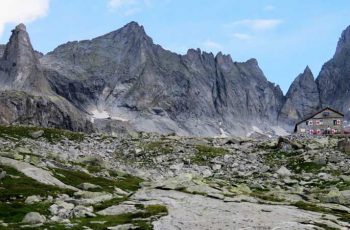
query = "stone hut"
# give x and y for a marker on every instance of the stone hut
(325, 121)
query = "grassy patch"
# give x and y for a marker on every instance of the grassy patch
(50, 134)
(14, 212)
(298, 165)
(158, 147)
(23, 186)
(206, 153)
(344, 216)
(278, 157)
(156, 209)
(74, 178)
(266, 196)
(140, 219)
(108, 203)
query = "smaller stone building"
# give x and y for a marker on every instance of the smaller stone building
(325, 121)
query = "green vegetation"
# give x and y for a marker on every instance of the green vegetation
(108, 203)
(74, 178)
(14, 212)
(50, 134)
(298, 165)
(206, 153)
(292, 161)
(266, 196)
(141, 219)
(158, 147)
(22, 186)
(343, 215)
(156, 209)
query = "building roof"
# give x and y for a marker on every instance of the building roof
(314, 114)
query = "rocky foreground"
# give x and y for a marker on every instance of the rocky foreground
(53, 179)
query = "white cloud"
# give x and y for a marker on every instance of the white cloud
(132, 11)
(128, 7)
(242, 36)
(257, 24)
(211, 45)
(117, 4)
(269, 8)
(21, 11)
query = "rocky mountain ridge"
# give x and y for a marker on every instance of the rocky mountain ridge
(330, 88)
(123, 79)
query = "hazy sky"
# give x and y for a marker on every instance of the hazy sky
(284, 36)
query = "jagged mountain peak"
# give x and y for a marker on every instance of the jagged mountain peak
(20, 67)
(134, 26)
(129, 31)
(19, 50)
(307, 71)
(306, 77)
(21, 27)
(344, 41)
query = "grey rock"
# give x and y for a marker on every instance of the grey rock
(83, 211)
(37, 134)
(118, 210)
(283, 172)
(338, 197)
(123, 227)
(2, 174)
(26, 96)
(32, 199)
(334, 79)
(344, 145)
(302, 99)
(167, 92)
(88, 186)
(34, 218)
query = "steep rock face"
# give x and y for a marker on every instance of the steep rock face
(334, 78)
(125, 75)
(301, 100)
(19, 65)
(2, 50)
(18, 107)
(25, 94)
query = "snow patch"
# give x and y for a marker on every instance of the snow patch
(103, 114)
(257, 130)
(279, 131)
(223, 133)
(119, 119)
(97, 114)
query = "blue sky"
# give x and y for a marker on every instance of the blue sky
(284, 36)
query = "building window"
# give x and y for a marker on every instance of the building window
(309, 123)
(318, 132)
(337, 122)
(319, 122)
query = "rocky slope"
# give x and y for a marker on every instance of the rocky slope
(149, 181)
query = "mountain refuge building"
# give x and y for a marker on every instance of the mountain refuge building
(324, 122)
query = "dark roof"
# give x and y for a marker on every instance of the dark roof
(314, 114)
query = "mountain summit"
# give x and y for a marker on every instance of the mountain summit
(20, 69)
(122, 80)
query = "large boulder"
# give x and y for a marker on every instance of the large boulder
(34, 218)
